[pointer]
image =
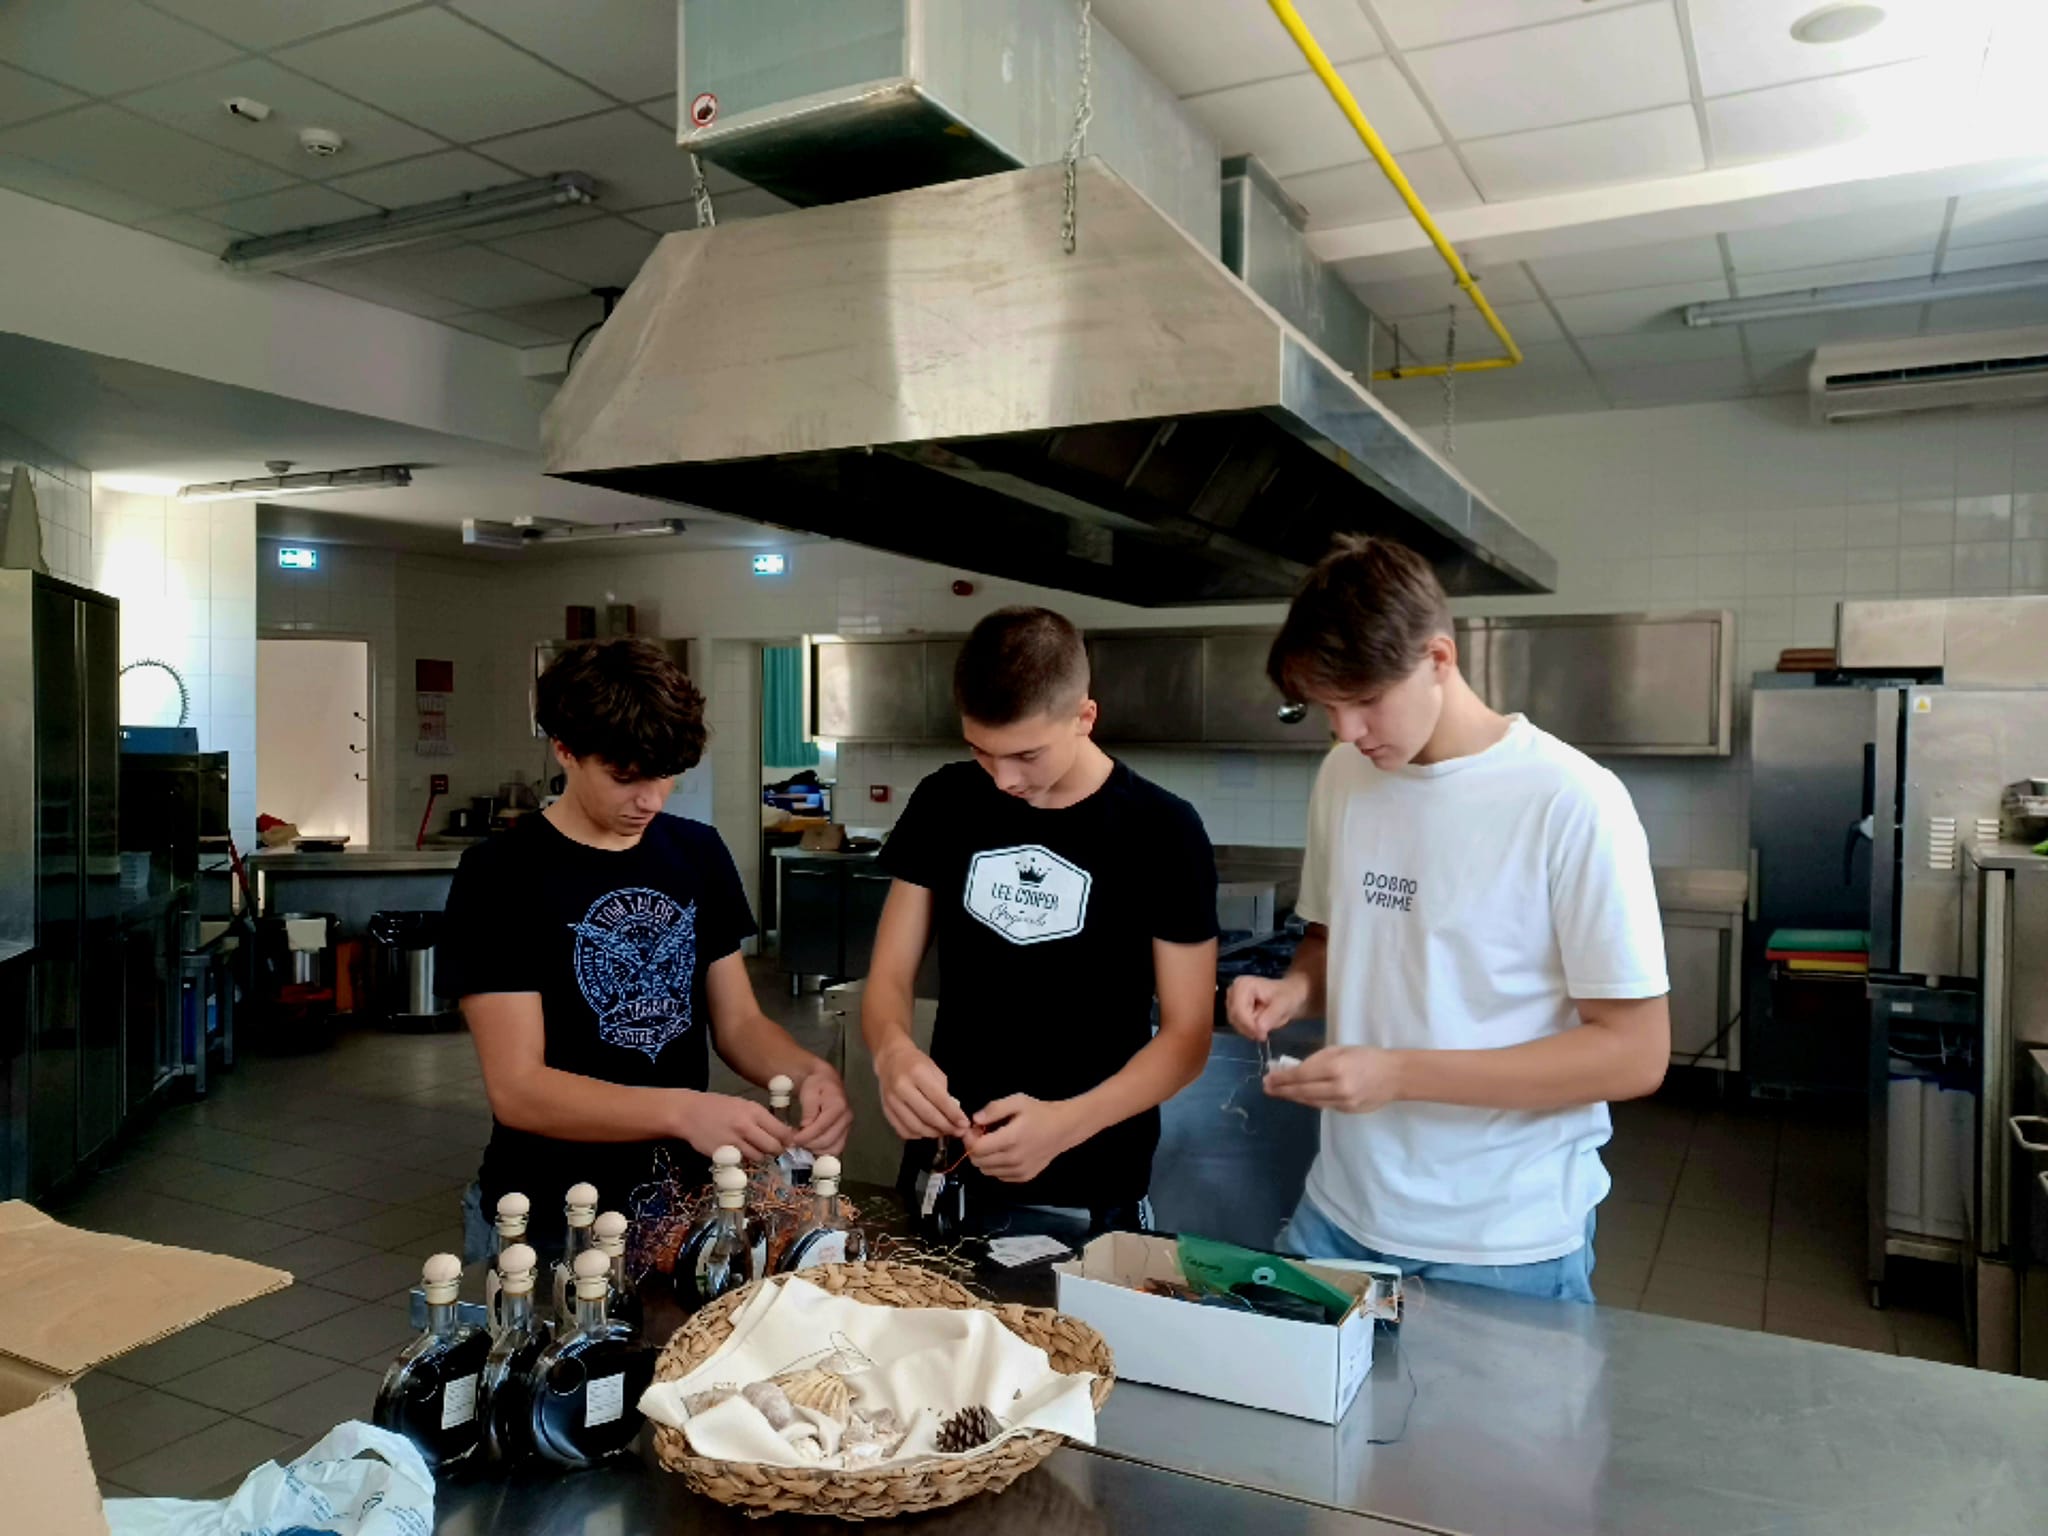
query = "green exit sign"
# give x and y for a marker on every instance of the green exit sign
(290, 559)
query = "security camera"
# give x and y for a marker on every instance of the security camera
(247, 107)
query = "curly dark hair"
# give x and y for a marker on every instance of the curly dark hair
(626, 702)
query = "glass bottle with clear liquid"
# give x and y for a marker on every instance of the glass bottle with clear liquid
(726, 1250)
(513, 1210)
(826, 1237)
(579, 1213)
(521, 1334)
(429, 1394)
(622, 1301)
(584, 1388)
(796, 1163)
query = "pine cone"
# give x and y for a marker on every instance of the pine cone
(968, 1428)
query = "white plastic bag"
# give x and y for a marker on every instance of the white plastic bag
(358, 1481)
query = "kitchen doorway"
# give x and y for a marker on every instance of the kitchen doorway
(313, 735)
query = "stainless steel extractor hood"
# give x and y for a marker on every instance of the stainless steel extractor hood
(929, 372)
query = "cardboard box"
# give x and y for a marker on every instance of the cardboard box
(75, 1300)
(1308, 1370)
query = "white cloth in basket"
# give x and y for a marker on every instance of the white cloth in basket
(922, 1363)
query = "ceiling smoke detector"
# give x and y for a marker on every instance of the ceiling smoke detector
(1837, 23)
(320, 142)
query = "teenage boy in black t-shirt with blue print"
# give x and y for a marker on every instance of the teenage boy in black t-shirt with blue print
(1064, 892)
(596, 951)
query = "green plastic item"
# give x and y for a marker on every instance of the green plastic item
(1821, 940)
(1213, 1268)
(2042, 846)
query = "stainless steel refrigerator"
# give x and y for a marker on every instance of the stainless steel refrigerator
(60, 877)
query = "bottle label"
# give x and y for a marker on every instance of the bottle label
(934, 1184)
(823, 1248)
(796, 1160)
(458, 1402)
(605, 1401)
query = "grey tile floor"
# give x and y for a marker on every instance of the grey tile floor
(346, 1168)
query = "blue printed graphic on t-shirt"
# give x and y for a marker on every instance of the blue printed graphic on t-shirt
(636, 962)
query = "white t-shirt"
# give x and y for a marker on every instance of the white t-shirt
(1468, 902)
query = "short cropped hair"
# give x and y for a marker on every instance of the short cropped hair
(626, 702)
(1020, 662)
(1363, 619)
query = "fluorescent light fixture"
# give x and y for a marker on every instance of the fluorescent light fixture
(1850, 296)
(770, 565)
(136, 485)
(408, 226)
(384, 477)
(522, 532)
(290, 559)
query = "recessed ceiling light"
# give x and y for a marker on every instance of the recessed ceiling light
(1837, 23)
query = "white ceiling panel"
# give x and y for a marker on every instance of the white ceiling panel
(133, 155)
(1636, 266)
(1823, 114)
(1636, 309)
(373, 282)
(1419, 23)
(1292, 125)
(596, 253)
(1205, 45)
(190, 229)
(103, 46)
(264, 24)
(1718, 378)
(292, 208)
(1810, 331)
(1746, 44)
(1601, 65)
(432, 68)
(1864, 236)
(1422, 336)
(561, 319)
(426, 180)
(18, 173)
(1977, 257)
(626, 47)
(1780, 373)
(1990, 218)
(1360, 193)
(636, 161)
(195, 105)
(1883, 269)
(479, 278)
(1643, 146)
(1990, 312)
(662, 110)
(498, 328)
(24, 96)
(1415, 295)
(1645, 349)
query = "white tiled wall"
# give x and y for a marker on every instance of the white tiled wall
(63, 493)
(186, 576)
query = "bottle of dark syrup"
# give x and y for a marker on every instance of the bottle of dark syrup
(429, 1393)
(726, 1250)
(584, 1389)
(520, 1336)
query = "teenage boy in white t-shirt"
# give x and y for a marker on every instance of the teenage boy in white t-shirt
(1484, 943)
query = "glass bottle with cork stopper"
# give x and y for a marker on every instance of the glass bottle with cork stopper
(584, 1387)
(795, 1163)
(429, 1393)
(622, 1301)
(521, 1335)
(579, 1214)
(826, 1237)
(727, 1249)
(513, 1210)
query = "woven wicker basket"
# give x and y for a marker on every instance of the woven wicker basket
(903, 1489)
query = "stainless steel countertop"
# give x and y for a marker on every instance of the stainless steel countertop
(827, 855)
(355, 861)
(2016, 856)
(1701, 890)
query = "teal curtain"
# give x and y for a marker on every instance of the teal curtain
(782, 710)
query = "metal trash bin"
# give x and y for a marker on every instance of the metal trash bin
(402, 970)
(295, 958)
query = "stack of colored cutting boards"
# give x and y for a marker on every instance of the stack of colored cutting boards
(1821, 951)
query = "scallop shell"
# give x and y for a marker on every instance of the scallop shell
(821, 1392)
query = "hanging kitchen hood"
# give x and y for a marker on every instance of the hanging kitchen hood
(929, 372)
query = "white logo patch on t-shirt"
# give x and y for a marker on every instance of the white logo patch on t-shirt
(1029, 895)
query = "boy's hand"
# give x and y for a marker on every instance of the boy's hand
(1353, 1079)
(1258, 1005)
(1015, 1137)
(914, 1096)
(714, 1120)
(827, 1115)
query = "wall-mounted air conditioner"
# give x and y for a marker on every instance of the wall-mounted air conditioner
(1928, 373)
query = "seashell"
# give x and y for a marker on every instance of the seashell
(821, 1392)
(703, 1402)
(772, 1402)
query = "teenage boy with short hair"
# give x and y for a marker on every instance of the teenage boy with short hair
(596, 952)
(1485, 945)
(1064, 892)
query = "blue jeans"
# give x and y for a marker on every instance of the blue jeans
(479, 1233)
(1309, 1234)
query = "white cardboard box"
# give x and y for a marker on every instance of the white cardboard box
(1308, 1370)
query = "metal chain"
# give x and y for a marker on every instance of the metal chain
(1450, 387)
(1084, 113)
(700, 189)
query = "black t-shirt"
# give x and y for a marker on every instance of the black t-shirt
(1044, 921)
(617, 943)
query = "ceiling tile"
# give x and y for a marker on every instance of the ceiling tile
(18, 173)
(480, 278)
(1599, 65)
(103, 46)
(1861, 236)
(1988, 312)
(133, 155)
(1205, 45)
(1744, 44)
(636, 162)
(195, 105)
(1644, 146)
(1422, 336)
(1884, 269)
(747, 203)
(1292, 124)
(1415, 295)
(190, 229)
(265, 24)
(498, 328)
(1989, 218)
(24, 96)
(662, 110)
(435, 69)
(1780, 373)
(1359, 193)
(1634, 266)
(1823, 114)
(1549, 380)
(1419, 23)
(601, 252)
(561, 319)
(1636, 309)
(1810, 331)
(1976, 258)
(371, 281)
(626, 47)
(427, 179)
(293, 208)
(1643, 349)
(1719, 378)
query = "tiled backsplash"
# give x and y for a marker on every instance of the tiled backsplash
(63, 493)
